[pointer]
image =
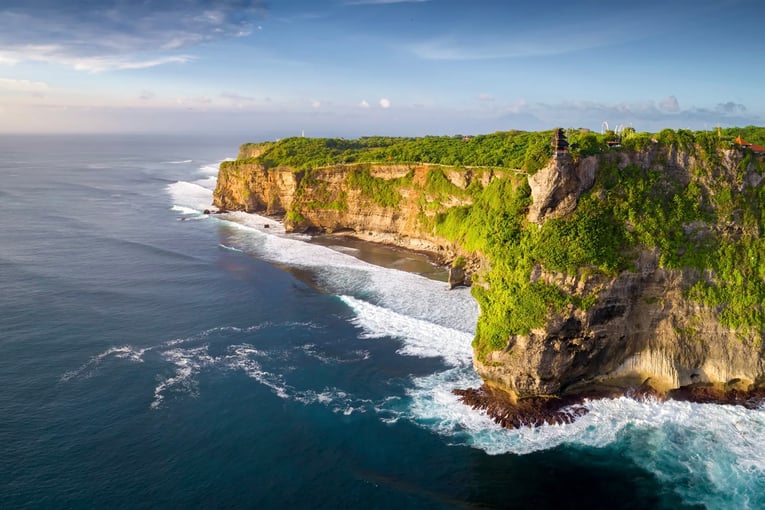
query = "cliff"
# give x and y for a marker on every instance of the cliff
(395, 204)
(638, 267)
(682, 305)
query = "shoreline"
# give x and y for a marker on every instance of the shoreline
(510, 412)
(438, 257)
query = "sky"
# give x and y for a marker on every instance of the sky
(269, 69)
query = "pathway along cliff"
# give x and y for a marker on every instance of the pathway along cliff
(638, 270)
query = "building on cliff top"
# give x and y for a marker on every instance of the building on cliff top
(757, 149)
(559, 144)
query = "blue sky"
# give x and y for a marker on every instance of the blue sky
(362, 67)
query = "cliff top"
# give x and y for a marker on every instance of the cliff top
(524, 150)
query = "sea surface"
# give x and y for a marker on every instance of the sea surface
(152, 356)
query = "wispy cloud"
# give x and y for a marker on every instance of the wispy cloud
(57, 54)
(363, 104)
(454, 48)
(485, 97)
(643, 115)
(23, 85)
(237, 98)
(384, 103)
(116, 34)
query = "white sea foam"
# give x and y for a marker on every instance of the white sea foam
(190, 195)
(207, 182)
(184, 210)
(353, 356)
(89, 368)
(212, 168)
(712, 455)
(230, 248)
(421, 338)
(408, 294)
(179, 162)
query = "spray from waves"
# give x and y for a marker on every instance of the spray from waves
(212, 168)
(207, 182)
(190, 195)
(421, 338)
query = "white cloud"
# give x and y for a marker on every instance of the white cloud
(23, 85)
(101, 64)
(7, 60)
(485, 97)
(315, 103)
(363, 104)
(59, 55)
(669, 104)
(100, 39)
(385, 103)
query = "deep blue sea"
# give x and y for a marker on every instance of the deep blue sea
(155, 357)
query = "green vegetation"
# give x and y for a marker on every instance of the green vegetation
(459, 262)
(711, 225)
(383, 192)
(514, 149)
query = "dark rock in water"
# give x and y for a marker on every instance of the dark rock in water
(708, 393)
(512, 413)
(206, 211)
(456, 276)
(266, 225)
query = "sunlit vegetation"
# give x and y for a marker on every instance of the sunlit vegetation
(709, 222)
(514, 149)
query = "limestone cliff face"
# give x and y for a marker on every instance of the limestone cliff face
(324, 200)
(642, 327)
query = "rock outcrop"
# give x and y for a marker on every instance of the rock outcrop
(555, 188)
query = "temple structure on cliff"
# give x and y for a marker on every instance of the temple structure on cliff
(759, 150)
(560, 144)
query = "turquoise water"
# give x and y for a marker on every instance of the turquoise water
(155, 357)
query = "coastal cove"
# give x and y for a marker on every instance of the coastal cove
(153, 356)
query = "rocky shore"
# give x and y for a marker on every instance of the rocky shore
(511, 412)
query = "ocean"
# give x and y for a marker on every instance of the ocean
(152, 356)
